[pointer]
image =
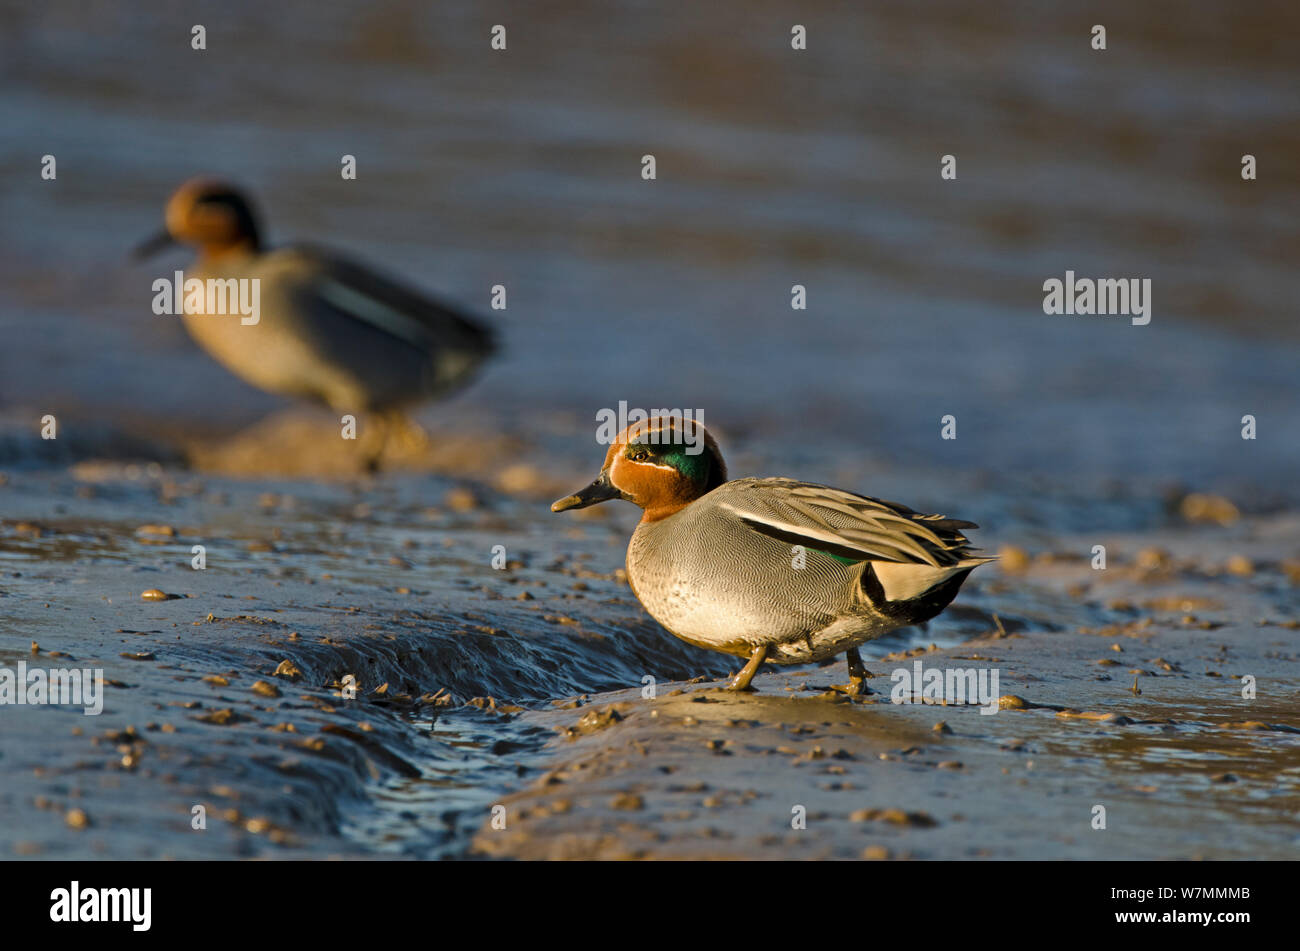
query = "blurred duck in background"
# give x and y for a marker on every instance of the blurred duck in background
(326, 329)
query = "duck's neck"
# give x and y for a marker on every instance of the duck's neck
(657, 513)
(220, 254)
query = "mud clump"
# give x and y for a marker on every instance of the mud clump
(288, 670)
(593, 721)
(1200, 507)
(898, 817)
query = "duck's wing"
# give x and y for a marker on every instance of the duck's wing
(397, 310)
(846, 525)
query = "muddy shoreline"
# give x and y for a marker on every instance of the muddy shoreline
(480, 688)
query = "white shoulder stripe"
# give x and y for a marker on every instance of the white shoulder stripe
(373, 311)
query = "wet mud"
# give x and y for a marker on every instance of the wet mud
(350, 675)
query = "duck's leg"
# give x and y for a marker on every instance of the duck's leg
(858, 674)
(376, 440)
(742, 679)
(409, 437)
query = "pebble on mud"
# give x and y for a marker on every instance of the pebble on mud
(287, 669)
(920, 820)
(594, 720)
(1094, 715)
(153, 594)
(1010, 701)
(264, 689)
(460, 499)
(77, 818)
(1200, 507)
(222, 717)
(1244, 725)
(1240, 565)
(627, 801)
(1013, 559)
(1153, 559)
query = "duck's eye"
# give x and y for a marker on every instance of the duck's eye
(640, 455)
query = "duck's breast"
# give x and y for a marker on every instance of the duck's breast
(265, 347)
(306, 342)
(712, 580)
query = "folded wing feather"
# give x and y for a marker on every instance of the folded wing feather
(910, 552)
(414, 317)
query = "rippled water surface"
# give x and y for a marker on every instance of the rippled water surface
(775, 168)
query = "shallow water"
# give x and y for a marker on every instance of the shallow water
(775, 168)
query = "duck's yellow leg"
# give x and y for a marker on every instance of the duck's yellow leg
(858, 673)
(376, 435)
(408, 437)
(393, 436)
(742, 679)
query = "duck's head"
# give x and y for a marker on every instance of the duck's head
(209, 214)
(662, 465)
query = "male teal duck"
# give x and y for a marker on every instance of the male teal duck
(774, 570)
(330, 330)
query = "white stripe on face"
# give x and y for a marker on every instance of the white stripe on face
(633, 447)
(653, 465)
